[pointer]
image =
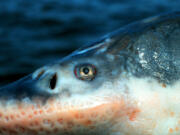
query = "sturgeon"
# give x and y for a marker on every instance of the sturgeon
(126, 83)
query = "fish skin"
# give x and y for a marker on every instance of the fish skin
(135, 91)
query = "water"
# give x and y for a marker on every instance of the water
(34, 33)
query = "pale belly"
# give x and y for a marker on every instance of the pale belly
(158, 109)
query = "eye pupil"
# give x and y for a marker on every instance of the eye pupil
(86, 70)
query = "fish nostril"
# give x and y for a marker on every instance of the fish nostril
(46, 78)
(53, 81)
(40, 74)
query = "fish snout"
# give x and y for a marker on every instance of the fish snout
(42, 83)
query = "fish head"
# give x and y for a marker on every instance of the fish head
(88, 90)
(84, 93)
(126, 83)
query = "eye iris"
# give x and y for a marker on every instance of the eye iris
(86, 70)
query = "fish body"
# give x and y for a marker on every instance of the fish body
(127, 83)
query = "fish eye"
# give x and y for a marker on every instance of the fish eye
(85, 72)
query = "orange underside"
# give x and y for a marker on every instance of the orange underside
(53, 120)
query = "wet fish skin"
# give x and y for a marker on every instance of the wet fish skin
(138, 70)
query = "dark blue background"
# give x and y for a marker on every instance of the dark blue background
(36, 32)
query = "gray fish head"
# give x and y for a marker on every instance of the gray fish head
(108, 88)
(78, 95)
